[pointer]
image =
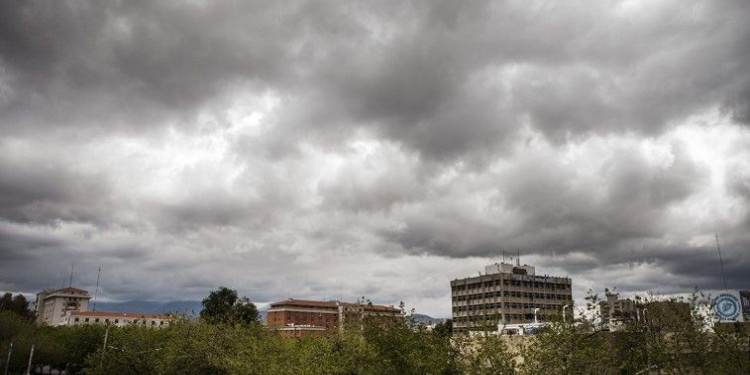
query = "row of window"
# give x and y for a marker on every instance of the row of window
(492, 321)
(511, 293)
(512, 305)
(117, 321)
(312, 318)
(527, 284)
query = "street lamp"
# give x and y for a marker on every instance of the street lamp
(565, 308)
(536, 310)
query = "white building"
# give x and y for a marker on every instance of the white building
(52, 306)
(116, 319)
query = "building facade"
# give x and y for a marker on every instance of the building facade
(615, 311)
(295, 317)
(116, 319)
(508, 294)
(52, 306)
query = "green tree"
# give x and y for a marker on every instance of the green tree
(567, 348)
(130, 349)
(17, 304)
(673, 336)
(486, 354)
(224, 306)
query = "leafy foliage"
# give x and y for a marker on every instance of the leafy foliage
(224, 306)
(17, 304)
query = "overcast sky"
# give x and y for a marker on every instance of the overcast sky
(320, 150)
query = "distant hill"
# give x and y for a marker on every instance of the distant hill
(426, 319)
(190, 308)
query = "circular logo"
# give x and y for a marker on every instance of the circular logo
(727, 307)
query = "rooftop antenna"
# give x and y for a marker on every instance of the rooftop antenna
(518, 258)
(70, 281)
(721, 260)
(503, 256)
(96, 291)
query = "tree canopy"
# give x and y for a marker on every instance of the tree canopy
(225, 306)
(17, 304)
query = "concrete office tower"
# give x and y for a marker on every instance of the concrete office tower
(52, 306)
(508, 294)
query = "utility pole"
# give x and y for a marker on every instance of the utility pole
(8, 362)
(31, 356)
(104, 347)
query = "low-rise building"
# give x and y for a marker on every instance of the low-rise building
(294, 317)
(69, 306)
(116, 319)
(615, 311)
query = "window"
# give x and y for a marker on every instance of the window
(117, 321)
(77, 319)
(87, 320)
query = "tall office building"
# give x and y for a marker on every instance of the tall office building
(508, 294)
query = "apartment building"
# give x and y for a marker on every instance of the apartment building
(52, 306)
(508, 294)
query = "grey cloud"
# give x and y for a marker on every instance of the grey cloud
(404, 72)
(555, 207)
(46, 190)
(475, 115)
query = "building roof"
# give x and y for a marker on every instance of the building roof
(304, 303)
(69, 290)
(80, 293)
(103, 314)
(331, 305)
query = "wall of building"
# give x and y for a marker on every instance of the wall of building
(117, 319)
(52, 306)
(481, 302)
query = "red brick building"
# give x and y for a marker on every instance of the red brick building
(297, 318)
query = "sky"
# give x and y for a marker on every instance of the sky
(339, 149)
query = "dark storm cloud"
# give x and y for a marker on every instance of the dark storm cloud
(208, 141)
(131, 63)
(556, 207)
(36, 189)
(444, 79)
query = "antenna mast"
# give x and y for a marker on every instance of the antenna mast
(70, 281)
(96, 291)
(721, 260)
